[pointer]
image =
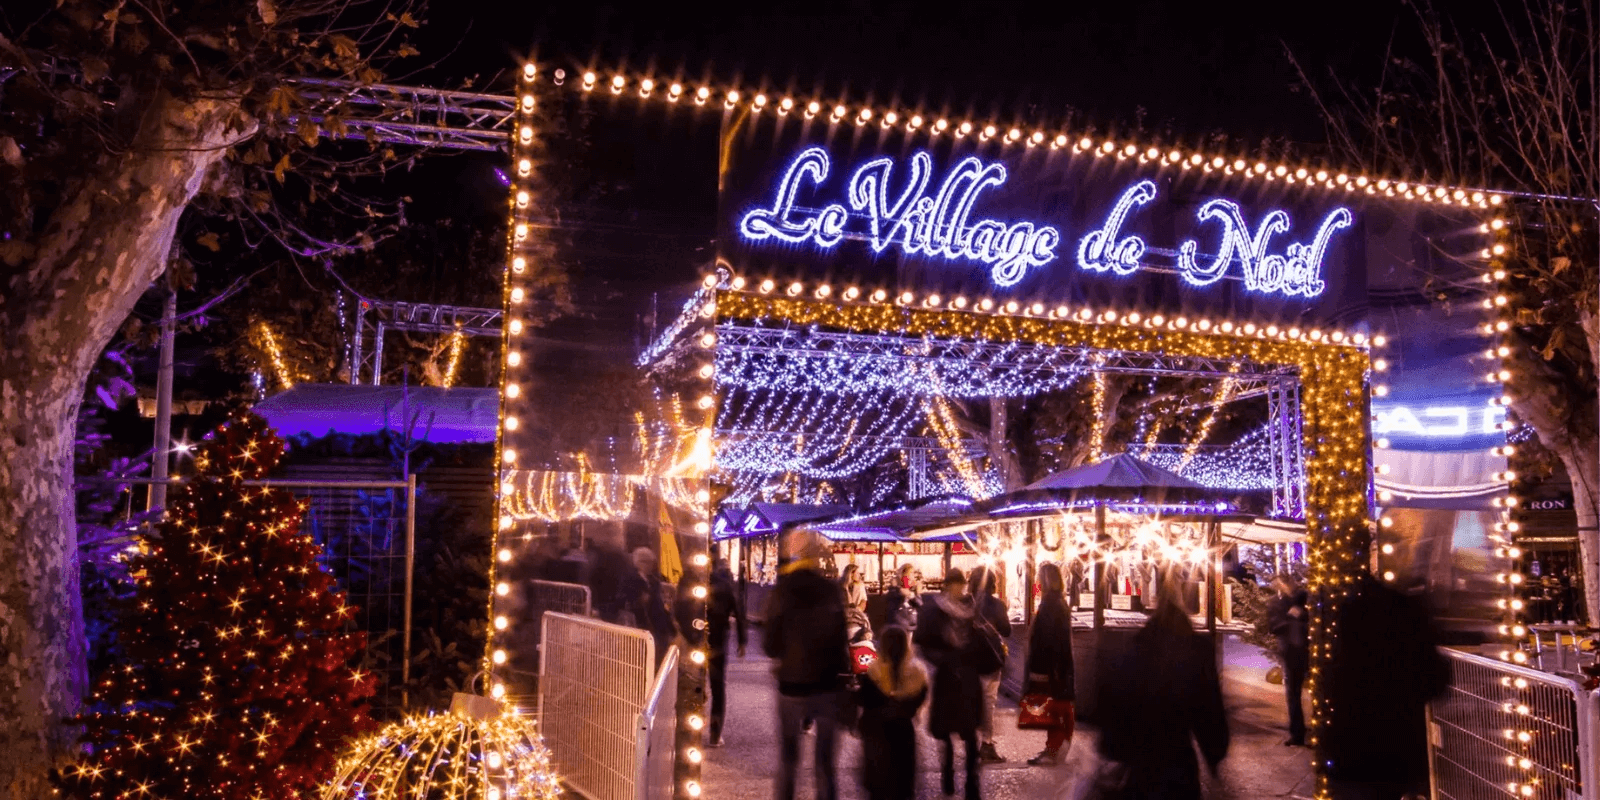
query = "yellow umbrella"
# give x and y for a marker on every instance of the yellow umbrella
(671, 562)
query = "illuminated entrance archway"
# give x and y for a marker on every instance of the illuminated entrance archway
(1157, 253)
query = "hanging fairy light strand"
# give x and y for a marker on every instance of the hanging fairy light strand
(1097, 430)
(1223, 395)
(942, 421)
(280, 367)
(458, 341)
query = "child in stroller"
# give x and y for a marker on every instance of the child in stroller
(858, 629)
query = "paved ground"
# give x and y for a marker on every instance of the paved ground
(1258, 766)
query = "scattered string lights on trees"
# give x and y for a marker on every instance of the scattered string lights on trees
(269, 343)
(458, 341)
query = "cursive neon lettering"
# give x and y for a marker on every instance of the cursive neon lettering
(1102, 250)
(940, 226)
(1298, 272)
(825, 229)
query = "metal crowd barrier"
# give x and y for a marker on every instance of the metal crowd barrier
(1501, 728)
(562, 598)
(595, 683)
(658, 732)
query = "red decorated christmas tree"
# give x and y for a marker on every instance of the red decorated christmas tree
(236, 677)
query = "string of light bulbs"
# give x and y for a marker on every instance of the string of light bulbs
(756, 102)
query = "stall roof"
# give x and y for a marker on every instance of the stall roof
(898, 521)
(767, 518)
(1121, 471)
(444, 416)
(1120, 481)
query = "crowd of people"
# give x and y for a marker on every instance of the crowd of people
(939, 659)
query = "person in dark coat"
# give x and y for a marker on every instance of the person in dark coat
(1050, 667)
(805, 635)
(1162, 699)
(722, 605)
(993, 610)
(903, 600)
(944, 637)
(892, 691)
(1291, 623)
(642, 601)
(1384, 668)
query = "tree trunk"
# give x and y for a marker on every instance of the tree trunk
(1568, 427)
(98, 252)
(1584, 469)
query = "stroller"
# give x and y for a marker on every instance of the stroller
(858, 631)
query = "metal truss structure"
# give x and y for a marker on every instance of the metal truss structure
(999, 364)
(1284, 444)
(374, 318)
(412, 115)
(833, 360)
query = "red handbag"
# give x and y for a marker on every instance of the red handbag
(1035, 712)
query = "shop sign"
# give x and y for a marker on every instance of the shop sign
(890, 203)
(951, 217)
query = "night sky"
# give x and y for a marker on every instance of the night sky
(638, 205)
(642, 224)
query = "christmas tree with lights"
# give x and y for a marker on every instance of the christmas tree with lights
(235, 678)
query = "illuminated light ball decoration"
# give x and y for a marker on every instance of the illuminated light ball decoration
(448, 757)
(1332, 368)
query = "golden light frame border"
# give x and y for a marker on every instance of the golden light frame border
(1334, 409)
(1332, 365)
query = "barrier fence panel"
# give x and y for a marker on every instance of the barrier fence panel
(562, 598)
(367, 530)
(658, 732)
(594, 685)
(1501, 728)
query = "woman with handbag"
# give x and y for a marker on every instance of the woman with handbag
(892, 692)
(1047, 697)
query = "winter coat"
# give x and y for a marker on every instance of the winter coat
(993, 610)
(944, 637)
(901, 606)
(723, 604)
(641, 598)
(1293, 631)
(1384, 669)
(1164, 693)
(1050, 648)
(805, 632)
(889, 704)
